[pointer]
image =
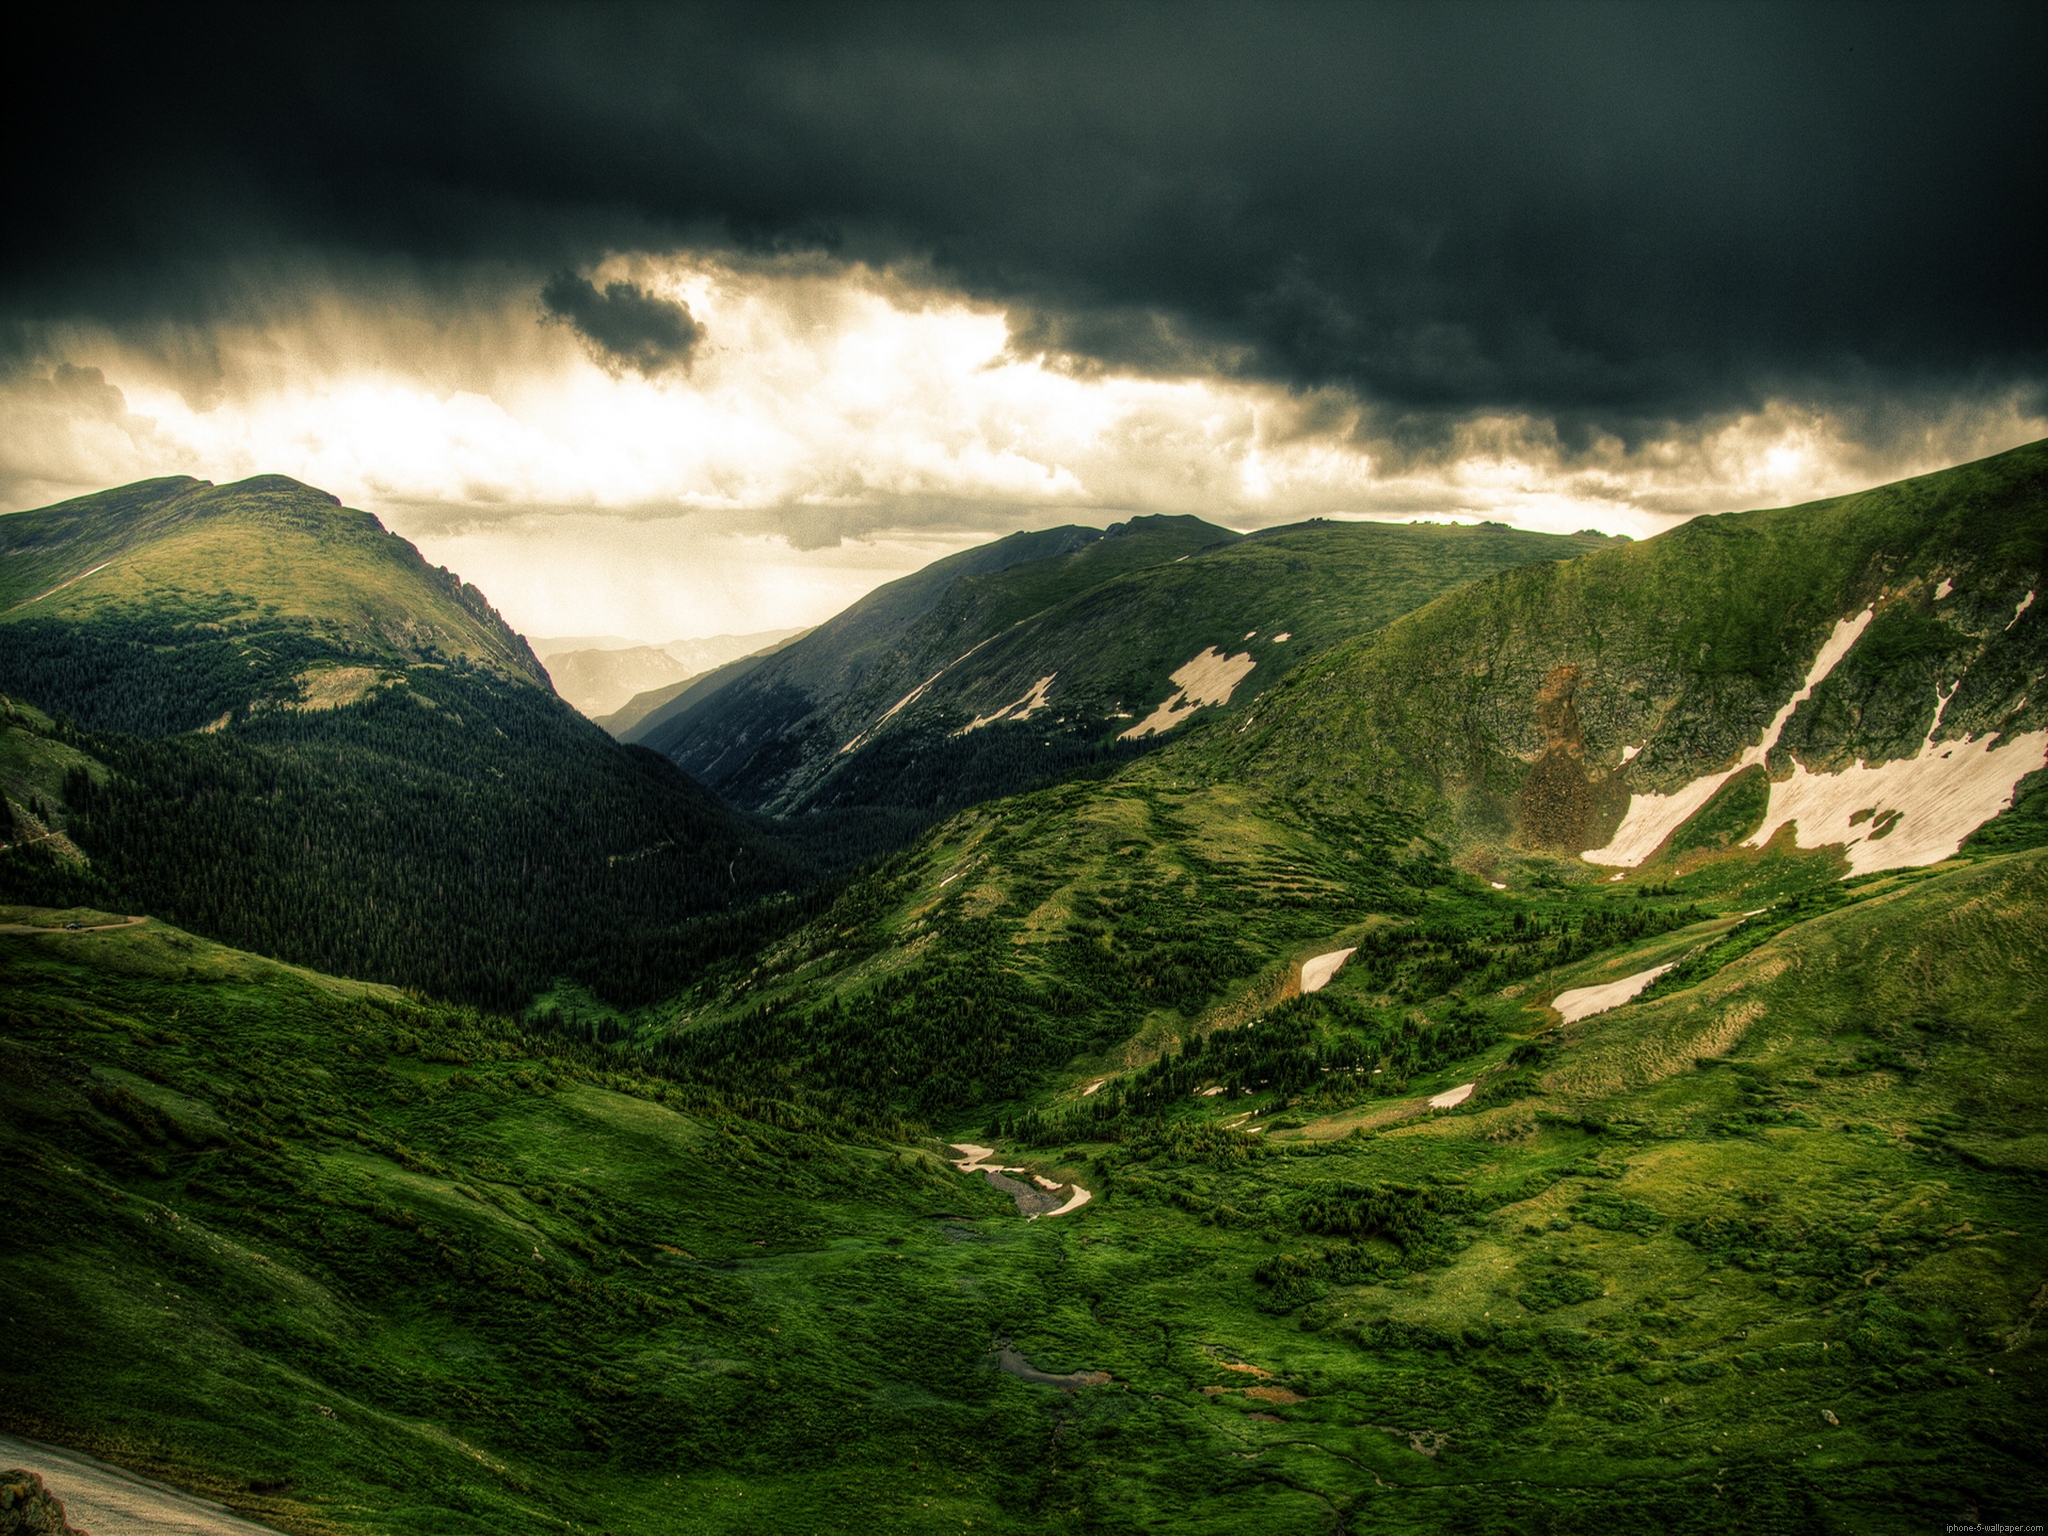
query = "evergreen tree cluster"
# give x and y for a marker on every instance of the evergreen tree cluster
(454, 830)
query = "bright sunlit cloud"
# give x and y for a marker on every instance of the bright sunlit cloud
(831, 427)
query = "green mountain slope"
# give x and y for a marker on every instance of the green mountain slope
(1541, 707)
(1050, 665)
(1757, 1253)
(305, 740)
(778, 723)
(1476, 744)
(142, 609)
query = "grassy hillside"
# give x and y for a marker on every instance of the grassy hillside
(1528, 709)
(158, 607)
(1382, 798)
(1756, 1253)
(1039, 670)
(782, 721)
(285, 730)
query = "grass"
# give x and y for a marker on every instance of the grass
(1761, 1250)
(1109, 623)
(296, 558)
(1647, 1276)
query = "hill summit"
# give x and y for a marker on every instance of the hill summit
(253, 710)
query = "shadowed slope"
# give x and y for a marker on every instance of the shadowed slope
(1042, 669)
(325, 749)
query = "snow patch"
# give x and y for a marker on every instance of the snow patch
(1584, 1002)
(1944, 589)
(1914, 811)
(1092, 1087)
(911, 697)
(1017, 709)
(1250, 634)
(1316, 973)
(1209, 678)
(1452, 1097)
(2025, 603)
(1496, 885)
(1630, 754)
(1653, 818)
(105, 563)
(1283, 637)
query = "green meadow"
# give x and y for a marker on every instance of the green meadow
(1764, 1251)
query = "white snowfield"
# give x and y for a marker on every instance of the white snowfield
(1584, 1002)
(1450, 1098)
(1209, 678)
(1914, 811)
(1653, 818)
(1897, 815)
(1316, 973)
(976, 1159)
(1017, 709)
(1079, 1198)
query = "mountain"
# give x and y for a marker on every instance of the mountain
(605, 679)
(624, 721)
(969, 588)
(285, 729)
(160, 606)
(1742, 709)
(962, 684)
(1498, 1079)
(1871, 661)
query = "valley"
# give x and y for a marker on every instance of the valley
(1562, 1050)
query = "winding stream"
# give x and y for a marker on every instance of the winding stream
(1031, 1203)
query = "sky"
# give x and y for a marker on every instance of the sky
(680, 320)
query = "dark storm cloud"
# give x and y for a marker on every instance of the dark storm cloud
(1612, 215)
(625, 326)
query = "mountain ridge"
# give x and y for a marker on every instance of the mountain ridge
(1291, 1129)
(1084, 670)
(331, 751)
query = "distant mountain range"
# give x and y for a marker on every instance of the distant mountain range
(601, 675)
